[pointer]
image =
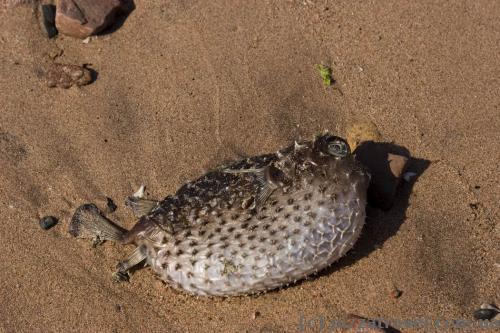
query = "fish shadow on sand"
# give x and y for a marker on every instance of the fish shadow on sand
(383, 221)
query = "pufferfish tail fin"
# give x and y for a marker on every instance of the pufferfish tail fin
(89, 222)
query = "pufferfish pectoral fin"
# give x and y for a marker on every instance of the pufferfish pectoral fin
(268, 183)
(134, 259)
(262, 195)
(267, 179)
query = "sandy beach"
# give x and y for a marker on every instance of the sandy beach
(183, 86)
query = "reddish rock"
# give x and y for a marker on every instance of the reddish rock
(397, 164)
(82, 18)
(395, 293)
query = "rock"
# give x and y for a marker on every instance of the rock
(82, 18)
(397, 164)
(395, 293)
(47, 19)
(486, 312)
(362, 132)
(65, 76)
(47, 222)
(408, 176)
(255, 314)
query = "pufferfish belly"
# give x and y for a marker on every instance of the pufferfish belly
(295, 234)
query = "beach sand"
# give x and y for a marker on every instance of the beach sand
(185, 85)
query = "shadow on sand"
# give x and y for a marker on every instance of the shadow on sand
(127, 7)
(383, 218)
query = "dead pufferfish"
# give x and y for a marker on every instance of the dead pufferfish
(254, 225)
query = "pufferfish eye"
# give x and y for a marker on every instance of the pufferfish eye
(338, 148)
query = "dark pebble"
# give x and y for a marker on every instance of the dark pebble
(48, 222)
(485, 314)
(111, 205)
(396, 293)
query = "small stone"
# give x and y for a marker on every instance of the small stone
(486, 312)
(397, 164)
(110, 205)
(396, 293)
(407, 176)
(65, 76)
(255, 314)
(83, 18)
(47, 222)
(361, 132)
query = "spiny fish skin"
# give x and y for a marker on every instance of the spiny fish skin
(224, 235)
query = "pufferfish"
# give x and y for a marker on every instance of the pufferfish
(249, 226)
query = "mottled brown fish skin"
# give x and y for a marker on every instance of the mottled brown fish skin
(221, 235)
